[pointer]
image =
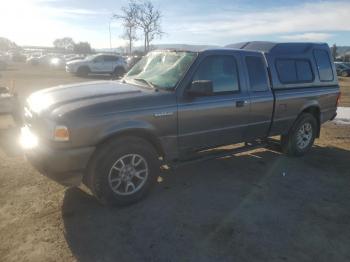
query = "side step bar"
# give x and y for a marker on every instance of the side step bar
(219, 153)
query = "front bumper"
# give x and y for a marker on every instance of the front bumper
(71, 69)
(65, 166)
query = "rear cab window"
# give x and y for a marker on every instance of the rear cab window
(257, 73)
(324, 66)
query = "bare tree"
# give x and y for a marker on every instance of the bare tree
(148, 20)
(129, 18)
(334, 51)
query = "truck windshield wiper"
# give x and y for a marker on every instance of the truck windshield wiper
(150, 84)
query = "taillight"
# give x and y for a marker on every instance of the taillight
(338, 99)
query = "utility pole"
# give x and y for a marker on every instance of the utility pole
(110, 35)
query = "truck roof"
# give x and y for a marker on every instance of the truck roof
(273, 48)
(277, 48)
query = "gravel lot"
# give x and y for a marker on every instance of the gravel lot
(255, 206)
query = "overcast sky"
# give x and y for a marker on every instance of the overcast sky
(39, 22)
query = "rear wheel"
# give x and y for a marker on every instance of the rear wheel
(123, 171)
(301, 136)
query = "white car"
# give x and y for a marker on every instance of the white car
(98, 64)
(34, 59)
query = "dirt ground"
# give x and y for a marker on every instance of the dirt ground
(255, 206)
(345, 90)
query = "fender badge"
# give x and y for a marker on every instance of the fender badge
(161, 114)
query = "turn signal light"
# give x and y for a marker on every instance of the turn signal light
(61, 133)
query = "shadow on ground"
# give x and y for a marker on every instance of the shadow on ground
(252, 207)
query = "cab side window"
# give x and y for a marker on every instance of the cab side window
(294, 71)
(98, 59)
(222, 71)
(111, 59)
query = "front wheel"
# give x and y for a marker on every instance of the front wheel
(123, 171)
(83, 71)
(301, 136)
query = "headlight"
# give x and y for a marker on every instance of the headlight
(39, 102)
(27, 139)
(61, 133)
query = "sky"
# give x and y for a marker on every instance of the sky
(206, 22)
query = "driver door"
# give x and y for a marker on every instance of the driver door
(218, 119)
(98, 64)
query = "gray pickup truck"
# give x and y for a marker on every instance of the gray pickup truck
(173, 106)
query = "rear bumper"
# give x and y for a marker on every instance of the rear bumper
(65, 166)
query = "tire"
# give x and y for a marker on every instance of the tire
(83, 71)
(111, 171)
(301, 136)
(118, 72)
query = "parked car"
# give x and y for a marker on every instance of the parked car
(132, 60)
(98, 64)
(4, 59)
(73, 57)
(8, 108)
(342, 69)
(57, 62)
(34, 59)
(18, 57)
(174, 105)
(3, 64)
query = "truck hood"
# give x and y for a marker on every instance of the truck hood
(49, 98)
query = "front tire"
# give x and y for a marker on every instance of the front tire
(83, 71)
(123, 171)
(301, 136)
(118, 72)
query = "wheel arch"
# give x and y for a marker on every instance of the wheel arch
(313, 109)
(143, 133)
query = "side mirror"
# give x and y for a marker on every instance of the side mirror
(201, 88)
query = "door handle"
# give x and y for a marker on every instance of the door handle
(241, 103)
